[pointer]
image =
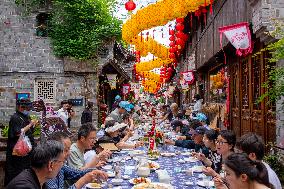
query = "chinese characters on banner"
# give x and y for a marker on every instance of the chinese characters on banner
(125, 89)
(240, 37)
(112, 80)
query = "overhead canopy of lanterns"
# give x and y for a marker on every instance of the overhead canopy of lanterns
(159, 14)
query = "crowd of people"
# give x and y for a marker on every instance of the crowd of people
(59, 163)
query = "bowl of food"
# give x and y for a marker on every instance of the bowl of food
(153, 165)
(153, 185)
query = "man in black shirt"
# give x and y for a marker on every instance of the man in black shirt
(46, 161)
(87, 113)
(19, 122)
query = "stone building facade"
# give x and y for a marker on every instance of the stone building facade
(27, 65)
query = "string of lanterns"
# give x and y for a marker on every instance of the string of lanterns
(159, 14)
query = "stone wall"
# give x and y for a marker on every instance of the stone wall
(25, 57)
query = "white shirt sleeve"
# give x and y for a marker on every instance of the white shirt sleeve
(89, 155)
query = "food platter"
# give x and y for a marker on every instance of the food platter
(168, 154)
(153, 185)
(153, 165)
(139, 180)
(93, 186)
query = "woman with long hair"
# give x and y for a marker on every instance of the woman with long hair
(242, 172)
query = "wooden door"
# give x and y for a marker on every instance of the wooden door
(257, 73)
(245, 95)
(235, 98)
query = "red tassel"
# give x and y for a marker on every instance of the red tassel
(205, 4)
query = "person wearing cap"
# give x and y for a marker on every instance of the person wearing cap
(188, 142)
(112, 135)
(116, 102)
(117, 114)
(19, 122)
(203, 120)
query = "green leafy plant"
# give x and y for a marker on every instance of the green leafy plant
(275, 83)
(5, 131)
(78, 28)
(276, 165)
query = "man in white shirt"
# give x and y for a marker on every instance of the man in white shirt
(63, 113)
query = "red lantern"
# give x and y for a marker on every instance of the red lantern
(172, 38)
(172, 55)
(179, 41)
(179, 26)
(172, 32)
(180, 20)
(179, 34)
(172, 44)
(172, 50)
(130, 5)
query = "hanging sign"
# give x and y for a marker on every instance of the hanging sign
(240, 37)
(125, 89)
(184, 85)
(188, 77)
(112, 80)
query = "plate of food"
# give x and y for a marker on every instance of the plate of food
(153, 165)
(198, 169)
(93, 185)
(205, 183)
(153, 185)
(107, 167)
(168, 154)
(139, 180)
(110, 174)
(137, 152)
(191, 159)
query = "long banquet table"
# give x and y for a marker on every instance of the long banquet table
(175, 169)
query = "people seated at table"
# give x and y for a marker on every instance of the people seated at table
(117, 114)
(203, 120)
(113, 134)
(243, 173)
(253, 145)
(85, 141)
(68, 173)
(225, 145)
(214, 159)
(186, 128)
(46, 161)
(188, 143)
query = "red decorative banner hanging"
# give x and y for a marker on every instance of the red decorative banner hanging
(240, 37)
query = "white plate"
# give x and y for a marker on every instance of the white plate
(107, 167)
(197, 169)
(126, 177)
(156, 165)
(116, 181)
(89, 185)
(153, 185)
(137, 152)
(111, 174)
(168, 154)
(132, 181)
(186, 153)
(203, 183)
(191, 159)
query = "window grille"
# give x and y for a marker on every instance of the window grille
(45, 90)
